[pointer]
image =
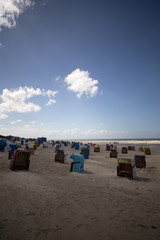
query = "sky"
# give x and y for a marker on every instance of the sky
(80, 69)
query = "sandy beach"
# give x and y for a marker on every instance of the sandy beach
(49, 202)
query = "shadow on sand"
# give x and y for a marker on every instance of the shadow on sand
(86, 172)
(140, 179)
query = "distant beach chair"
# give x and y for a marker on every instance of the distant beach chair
(78, 163)
(76, 146)
(124, 150)
(108, 147)
(140, 161)
(12, 147)
(20, 160)
(131, 148)
(141, 149)
(3, 144)
(73, 145)
(85, 153)
(126, 167)
(96, 148)
(147, 151)
(113, 153)
(29, 148)
(61, 156)
(34, 146)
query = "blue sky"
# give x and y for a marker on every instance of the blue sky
(80, 69)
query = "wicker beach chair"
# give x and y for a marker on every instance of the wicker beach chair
(20, 160)
(126, 167)
(85, 153)
(76, 146)
(140, 161)
(78, 163)
(124, 150)
(108, 147)
(131, 148)
(147, 151)
(141, 149)
(96, 148)
(113, 153)
(61, 156)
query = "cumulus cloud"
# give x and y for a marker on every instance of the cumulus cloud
(10, 10)
(16, 100)
(80, 82)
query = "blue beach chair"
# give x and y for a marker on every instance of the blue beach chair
(78, 163)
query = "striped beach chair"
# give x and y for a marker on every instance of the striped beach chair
(20, 160)
(126, 167)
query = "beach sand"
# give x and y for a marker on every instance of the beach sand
(49, 202)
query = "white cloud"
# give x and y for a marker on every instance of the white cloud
(17, 121)
(32, 122)
(1, 45)
(16, 100)
(3, 116)
(10, 10)
(50, 102)
(57, 78)
(80, 82)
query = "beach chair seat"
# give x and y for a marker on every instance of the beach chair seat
(113, 153)
(78, 163)
(140, 161)
(20, 160)
(124, 150)
(96, 148)
(60, 156)
(126, 167)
